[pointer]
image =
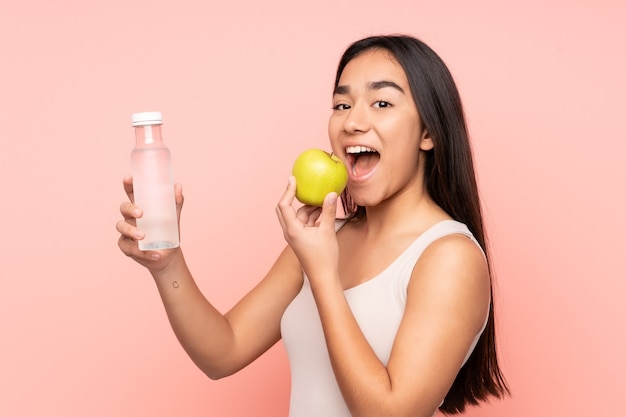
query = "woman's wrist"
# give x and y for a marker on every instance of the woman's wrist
(170, 268)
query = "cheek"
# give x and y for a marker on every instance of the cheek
(406, 145)
(333, 129)
(333, 123)
(413, 134)
(336, 148)
(401, 134)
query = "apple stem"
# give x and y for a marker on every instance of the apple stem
(331, 154)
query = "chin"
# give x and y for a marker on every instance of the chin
(364, 201)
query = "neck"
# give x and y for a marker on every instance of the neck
(405, 213)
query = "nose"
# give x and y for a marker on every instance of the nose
(357, 120)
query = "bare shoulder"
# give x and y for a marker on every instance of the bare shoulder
(455, 252)
(453, 274)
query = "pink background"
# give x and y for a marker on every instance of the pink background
(244, 87)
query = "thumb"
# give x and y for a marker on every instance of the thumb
(329, 211)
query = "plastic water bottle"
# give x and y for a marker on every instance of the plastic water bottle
(153, 184)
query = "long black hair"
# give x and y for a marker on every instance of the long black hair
(451, 182)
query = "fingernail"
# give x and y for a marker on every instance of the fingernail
(138, 234)
(332, 198)
(154, 256)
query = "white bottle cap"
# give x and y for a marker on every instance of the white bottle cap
(147, 118)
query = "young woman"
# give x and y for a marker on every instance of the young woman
(388, 312)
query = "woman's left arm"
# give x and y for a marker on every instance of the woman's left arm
(447, 304)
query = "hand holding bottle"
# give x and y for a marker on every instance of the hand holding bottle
(130, 234)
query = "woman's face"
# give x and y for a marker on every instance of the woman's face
(376, 130)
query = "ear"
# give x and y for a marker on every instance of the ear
(426, 142)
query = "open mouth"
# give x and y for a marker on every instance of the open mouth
(361, 160)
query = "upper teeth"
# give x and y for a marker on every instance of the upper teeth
(358, 149)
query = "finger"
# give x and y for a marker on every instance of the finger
(130, 211)
(179, 199)
(329, 211)
(130, 249)
(178, 194)
(284, 209)
(305, 212)
(285, 204)
(307, 215)
(313, 218)
(128, 188)
(280, 218)
(129, 230)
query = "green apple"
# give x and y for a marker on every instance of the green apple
(318, 173)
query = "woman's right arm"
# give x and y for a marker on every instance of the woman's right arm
(219, 344)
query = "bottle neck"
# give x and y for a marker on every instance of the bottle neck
(149, 135)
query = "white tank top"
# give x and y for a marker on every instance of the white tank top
(377, 304)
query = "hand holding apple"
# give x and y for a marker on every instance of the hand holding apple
(318, 173)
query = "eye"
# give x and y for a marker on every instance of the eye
(341, 106)
(381, 104)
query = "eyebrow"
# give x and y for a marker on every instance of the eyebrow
(374, 85)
